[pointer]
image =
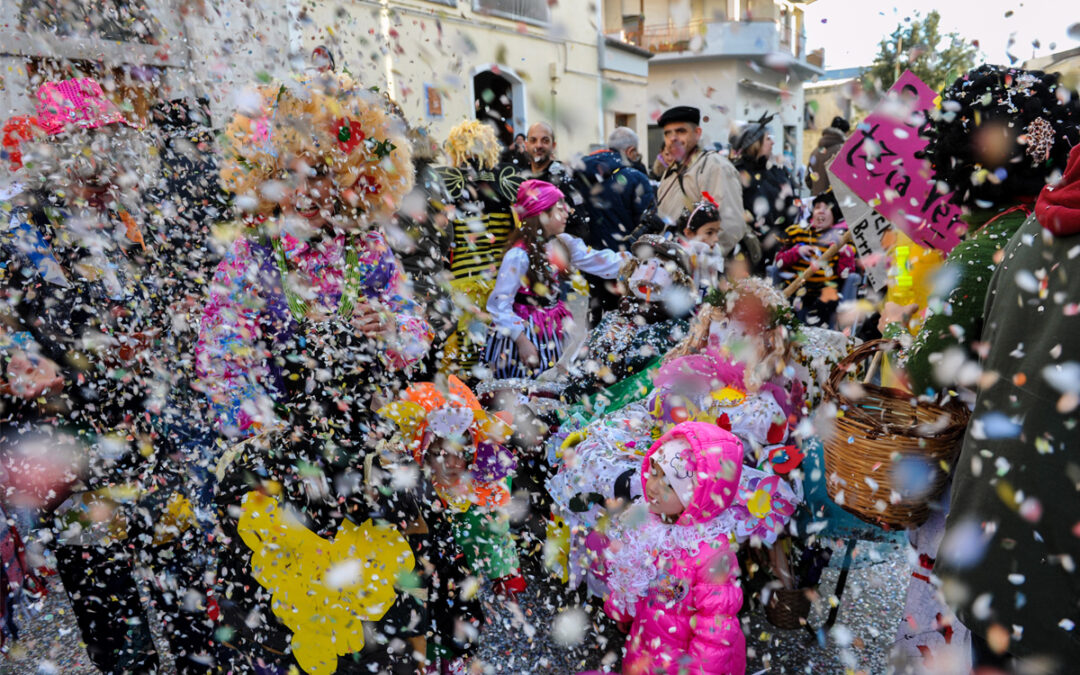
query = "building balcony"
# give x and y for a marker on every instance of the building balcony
(763, 41)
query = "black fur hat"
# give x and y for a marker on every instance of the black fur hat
(1001, 134)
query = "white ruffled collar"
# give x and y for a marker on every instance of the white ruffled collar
(632, 568)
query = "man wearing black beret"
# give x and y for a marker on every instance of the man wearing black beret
(696, 171)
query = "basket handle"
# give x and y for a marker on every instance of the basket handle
(872, 370)
(831, 390)
(846, 364)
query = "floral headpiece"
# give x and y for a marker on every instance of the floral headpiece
(249, 157)
(780, 312)
(326, 117)
(424, 411)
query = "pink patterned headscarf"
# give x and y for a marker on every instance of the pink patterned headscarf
(535, 197)
(77, 103)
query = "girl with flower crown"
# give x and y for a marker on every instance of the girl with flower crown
(730, 372)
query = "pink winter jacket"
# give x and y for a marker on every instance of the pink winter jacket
(687, 622)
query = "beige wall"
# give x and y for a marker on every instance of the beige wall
(716, 10)
(556, 66)
(659, 12)
(413, 43)
(705, 84)
(832, 100)
(1068, 66)
(715, 86)
(630, 96)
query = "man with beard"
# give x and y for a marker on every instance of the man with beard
(695, 171)
(540, 147)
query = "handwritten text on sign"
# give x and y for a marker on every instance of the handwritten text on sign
(867, 234)
(878, 163)
(868, 230)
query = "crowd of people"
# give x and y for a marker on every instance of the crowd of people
(329, 383)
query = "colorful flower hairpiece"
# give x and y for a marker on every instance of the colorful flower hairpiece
(350, 133)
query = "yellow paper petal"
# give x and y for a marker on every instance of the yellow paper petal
(406, 414)
(322, 590)
(573, 439)
(729, 396)
(492, 427)
(557, 549)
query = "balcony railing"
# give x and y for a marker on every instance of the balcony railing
(660, 39)
(530, 11)
(717, 38)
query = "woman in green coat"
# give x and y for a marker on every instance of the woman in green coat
(1008, 557)
(1000, 135)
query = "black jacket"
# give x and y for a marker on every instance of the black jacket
(769, 195)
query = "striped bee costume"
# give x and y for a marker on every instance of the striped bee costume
(481, 223)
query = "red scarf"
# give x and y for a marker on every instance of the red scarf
(1058, 206)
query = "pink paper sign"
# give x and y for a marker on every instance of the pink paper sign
(878, 162)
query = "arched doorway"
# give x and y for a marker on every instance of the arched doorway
(498, 96)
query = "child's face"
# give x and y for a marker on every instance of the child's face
(447, 462)
(822, 217)
(661, 496)
(709, 233)
(554, 219)
(742, 332)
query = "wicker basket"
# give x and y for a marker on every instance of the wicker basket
(875, 434)
(788, 608)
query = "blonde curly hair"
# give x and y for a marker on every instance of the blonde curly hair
(473, 140)
(327, 118)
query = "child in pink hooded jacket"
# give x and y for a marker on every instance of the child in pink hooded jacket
(671, 571)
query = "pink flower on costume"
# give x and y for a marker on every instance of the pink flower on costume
(764, 506)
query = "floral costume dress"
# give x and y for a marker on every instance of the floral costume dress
(598, 459)
(251, 326)
(251, 311)
(475, 505)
